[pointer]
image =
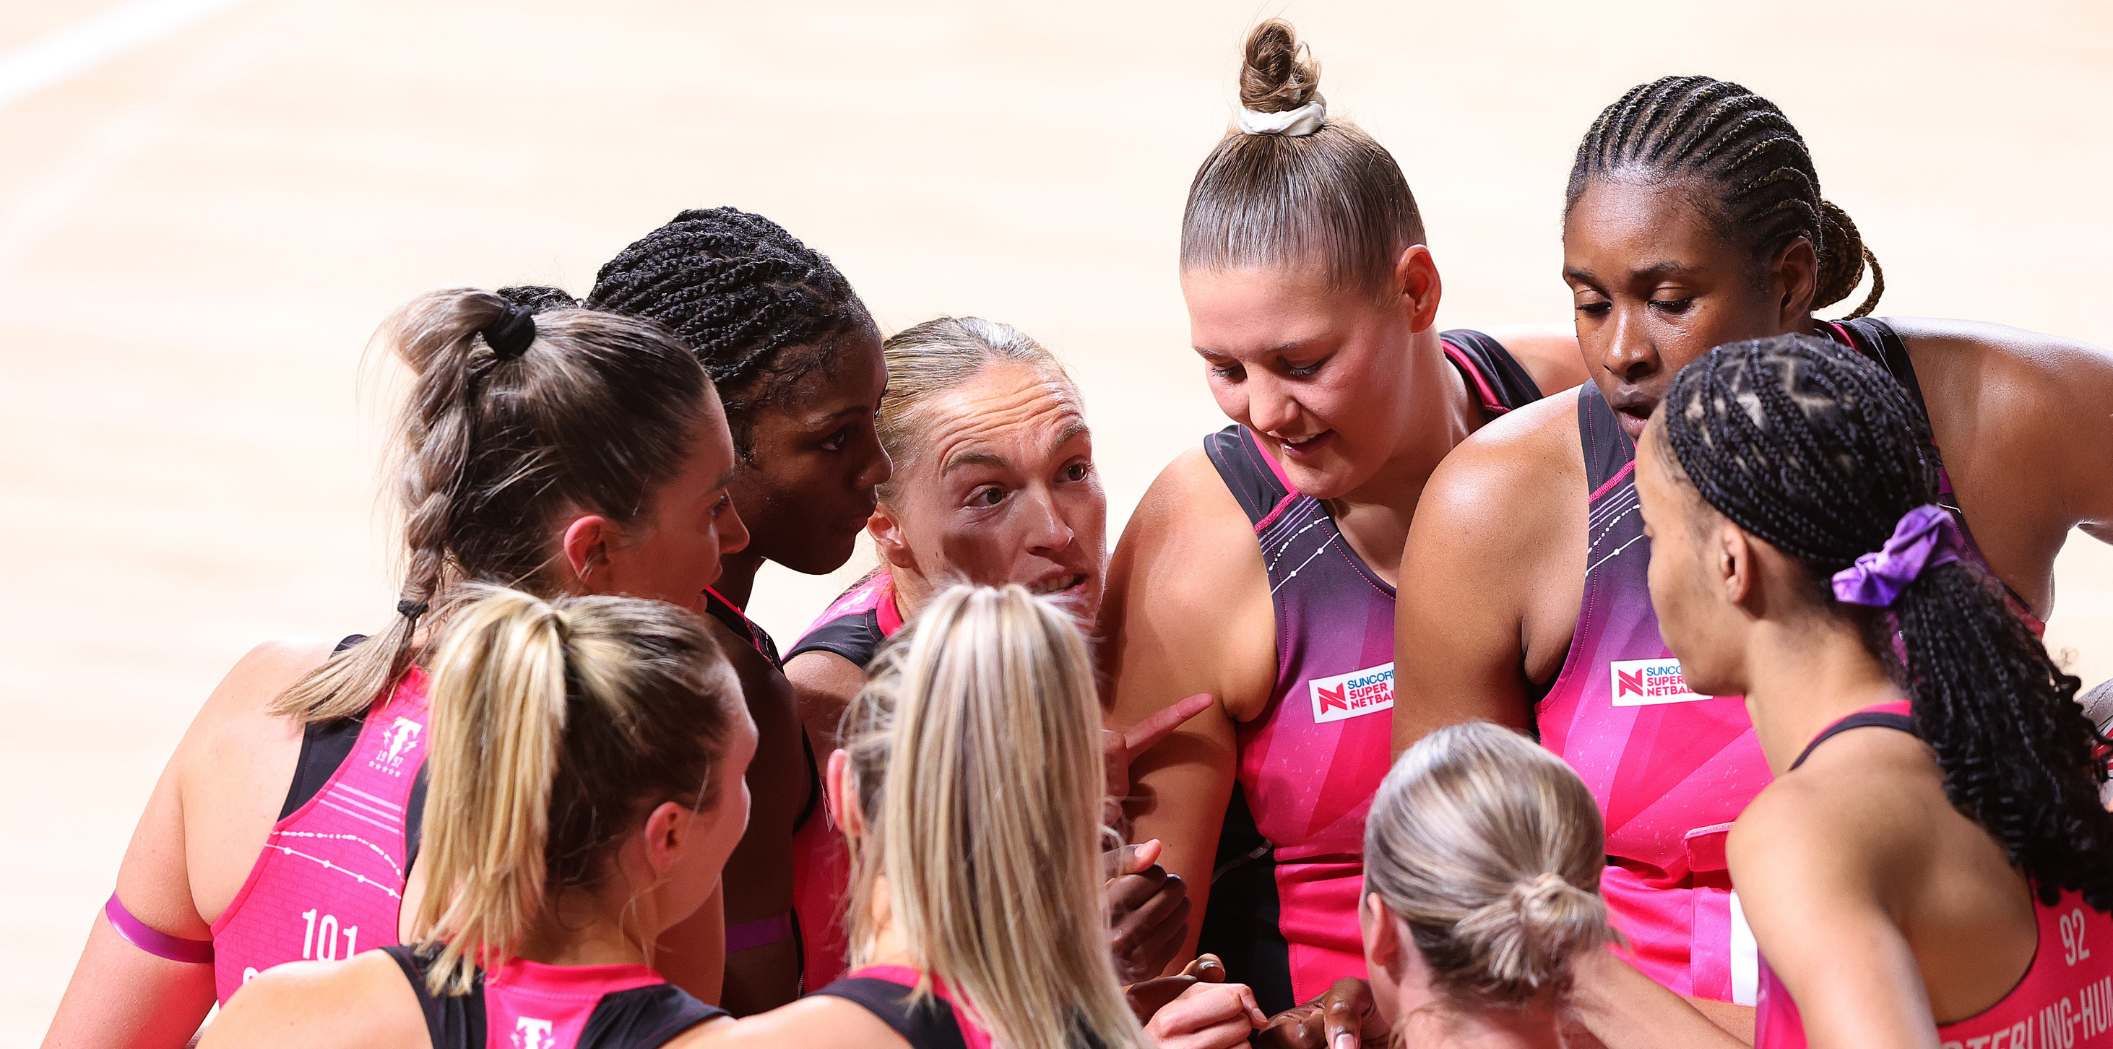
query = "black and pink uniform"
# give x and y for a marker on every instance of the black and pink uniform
(853, 627)
(528, 1005)
(939, 1021)
(2064, 999)
(1283, 904)
(1670, 769)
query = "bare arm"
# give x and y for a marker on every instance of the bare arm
(1187, 611)
(1491, 576)
(823, 684)
(195, 843)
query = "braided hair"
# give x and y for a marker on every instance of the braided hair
(1740, 146)
(594, 414)
(1818, 451)
(759, 308)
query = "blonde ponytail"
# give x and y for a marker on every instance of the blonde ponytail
(551, 723)
(1489, 849)
(977, 761)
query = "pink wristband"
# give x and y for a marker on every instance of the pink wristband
(154, 941)
(759, 933)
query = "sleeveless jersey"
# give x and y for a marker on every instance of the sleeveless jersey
(853, 626)
(330, 880)
(2064, 999)
(1670, 769)
(528, 1005)
(935, 1022)
(1309, 764)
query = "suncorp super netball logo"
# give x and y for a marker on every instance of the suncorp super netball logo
(1351, 695)
(1647, 682)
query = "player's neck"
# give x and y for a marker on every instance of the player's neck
(1375, 516)
(1805, 677)
(1534, 1026)
(592, 929)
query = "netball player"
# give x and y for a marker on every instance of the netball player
(1931, 863)
(565, 452)
(1695, 218)
(1260, 569)
(971, 787)
(993, 483)
(797, 359)
(586, 763)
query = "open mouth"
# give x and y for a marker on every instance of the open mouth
(1301, 446)
(1058, 585)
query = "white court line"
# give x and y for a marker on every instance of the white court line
(83, 46)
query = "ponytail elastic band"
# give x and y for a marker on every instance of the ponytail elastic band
(1926, 537)
(154, 941)
(410, 609)
(1294, 123)
(511, 333)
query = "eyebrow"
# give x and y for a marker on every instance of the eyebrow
(1071, 431)
(1656, 269)
(974, 459)
(725, 479)
(1284, 347)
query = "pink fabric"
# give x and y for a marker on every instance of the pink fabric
(330, 880)
(965, 1016)
(154, 941)
(528, 1005)
(821, 860)
(2065, 998)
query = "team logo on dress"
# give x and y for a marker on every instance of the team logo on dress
(1352, 695)
(398, 741)
(1649, 682)
(532, 1034)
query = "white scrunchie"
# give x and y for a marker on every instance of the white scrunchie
(1304, 120)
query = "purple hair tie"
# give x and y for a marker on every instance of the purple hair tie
(153, 940)
(1926, 537)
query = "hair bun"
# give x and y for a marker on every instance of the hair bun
(1278, 74)
(1527, 937)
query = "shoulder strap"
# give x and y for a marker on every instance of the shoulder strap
(643, 1017)
(1248, 473)
(1860, 719)
(1608, 451)
(324, 746)
(854, 637)
(1498, 379)
(743, 627)
(1877, 340)
(454, 1021)
(930, 1024)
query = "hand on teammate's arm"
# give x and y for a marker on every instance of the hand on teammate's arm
(1148, 912)
(1196, 1009)
(1343, 1017)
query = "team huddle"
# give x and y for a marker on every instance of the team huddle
(1477, 687)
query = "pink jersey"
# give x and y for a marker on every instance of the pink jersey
(1309, 765)
(330, 880)
(529, 1005)
(853, 627)
(2065, 998)
(1671, 769)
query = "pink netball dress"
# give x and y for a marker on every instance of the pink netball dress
(852, 627)
(1283, 904)
(1671, 769)
(528, 1005)
(2065, 998)
(330, 880)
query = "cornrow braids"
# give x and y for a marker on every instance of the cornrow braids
(759, 308)
(1818, 451)
(1745, 150)
(595, 414)
(539, 298)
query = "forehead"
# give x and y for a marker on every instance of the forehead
(1002, 404)
(1236, 310)
(1620, 226)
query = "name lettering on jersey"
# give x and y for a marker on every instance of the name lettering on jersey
(532, 1034)
(1353, 695)
(2066, 1021)
(397, 744)
(1648, 682)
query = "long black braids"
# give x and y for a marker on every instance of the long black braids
(1746, 151)
(759, 308)
(1818, 451)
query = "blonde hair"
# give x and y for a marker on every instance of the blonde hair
(593, 416)
(1490, 849)
(554, 726)
(976, 759)
(936, 356)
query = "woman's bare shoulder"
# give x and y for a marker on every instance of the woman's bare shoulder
(813, 1020)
